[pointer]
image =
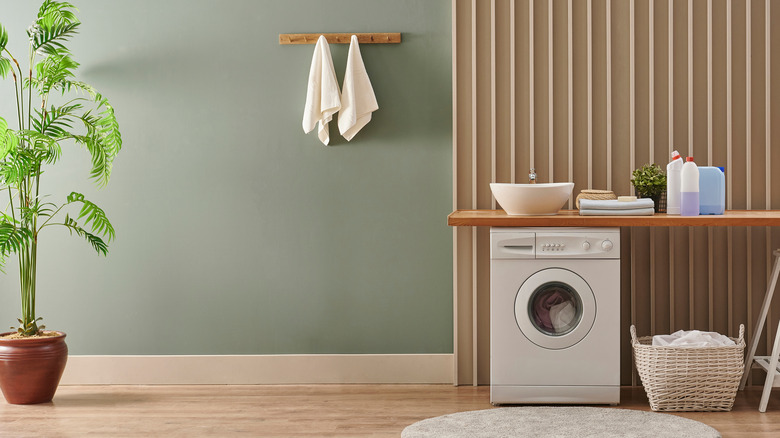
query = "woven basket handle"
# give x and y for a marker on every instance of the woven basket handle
(741, 338)
(632, 329)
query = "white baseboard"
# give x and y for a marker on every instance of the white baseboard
(259, 369)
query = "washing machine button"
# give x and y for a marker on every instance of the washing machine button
(606, 245)
(586, 245)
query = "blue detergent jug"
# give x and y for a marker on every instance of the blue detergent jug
(712, 190)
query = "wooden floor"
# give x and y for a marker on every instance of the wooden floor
(290, 411)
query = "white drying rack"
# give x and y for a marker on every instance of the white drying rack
(768, 363)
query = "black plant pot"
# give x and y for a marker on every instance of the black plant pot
(659, 201)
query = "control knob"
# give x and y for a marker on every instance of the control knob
(586, 245)
(606, 245)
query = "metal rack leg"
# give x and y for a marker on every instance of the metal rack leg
(770, 290)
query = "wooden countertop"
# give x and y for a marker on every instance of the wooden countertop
(571, 218)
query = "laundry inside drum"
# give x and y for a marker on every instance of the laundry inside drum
(555, 308)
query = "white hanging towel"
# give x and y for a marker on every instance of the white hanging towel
(358, 99)
(323, 98)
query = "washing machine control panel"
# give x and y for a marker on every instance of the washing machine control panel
(593, 245)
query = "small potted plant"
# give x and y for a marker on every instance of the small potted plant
(32, 359)
(649, 181)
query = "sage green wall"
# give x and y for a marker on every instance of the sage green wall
(238, 233)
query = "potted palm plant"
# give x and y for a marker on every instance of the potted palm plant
(31, 358)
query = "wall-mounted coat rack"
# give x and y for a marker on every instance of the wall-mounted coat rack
(340, 38)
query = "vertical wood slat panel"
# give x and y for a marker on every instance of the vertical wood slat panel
(749, 153)
(609, 93)
(455, 231)
(477, 92)
(474, 143)
(550, 86)
(570, 91)
(589, 75)
(512, 96)
(531, 93)
(493, 100)
(767, 143)
(632, 155)
(651, 141)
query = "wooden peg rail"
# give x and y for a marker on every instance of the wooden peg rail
(340, 38)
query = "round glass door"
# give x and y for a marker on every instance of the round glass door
(555, 308)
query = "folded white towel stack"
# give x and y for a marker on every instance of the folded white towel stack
(614, 204)
(323, 98)
(630, 212)
(613, 207)
(358, 99)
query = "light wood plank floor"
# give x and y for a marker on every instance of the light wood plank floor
(290, 411)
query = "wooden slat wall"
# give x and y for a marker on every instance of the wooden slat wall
(586, 91)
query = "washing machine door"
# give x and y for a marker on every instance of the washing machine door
(555, 308)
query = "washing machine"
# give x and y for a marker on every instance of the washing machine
(555, 315)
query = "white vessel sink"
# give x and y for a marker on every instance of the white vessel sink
(532, 199)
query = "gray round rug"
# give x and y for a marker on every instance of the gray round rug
(563, 421)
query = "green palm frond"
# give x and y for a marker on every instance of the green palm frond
(5, 67)
(3, 38)
(57, 122)
(97, 243)
(45, 149)
(52, 71)
(5, 63)
(56, 23)
(8, 139)
(67, 85)
(95, 216)
(103, 141)
(40, 208)
(109, 129)
(57, 12)
(37, 208)
(49, 39)
(17, 166)
(12, 238)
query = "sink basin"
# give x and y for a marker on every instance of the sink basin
(532, 199)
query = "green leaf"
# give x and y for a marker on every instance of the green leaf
(5, 67)
(45, 149)
(56, 122)
(56, 23)
(95, 216)
(12, 238)
(5, 63)
(97, 243)
(3, 37)
(103, 140)
(52, 71)
(18, 164)
(49, 39)
(8, 139)
(649, 180)
(57, 12)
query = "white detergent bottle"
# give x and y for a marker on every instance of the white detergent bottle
(689, 188)
(673, 176)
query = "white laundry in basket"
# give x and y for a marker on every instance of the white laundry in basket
(692, 338)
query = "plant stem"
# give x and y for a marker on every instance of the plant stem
(11, 200)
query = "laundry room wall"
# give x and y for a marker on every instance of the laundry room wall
(236, 232)
(587, 91)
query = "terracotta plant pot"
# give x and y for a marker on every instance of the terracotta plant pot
(31, 368)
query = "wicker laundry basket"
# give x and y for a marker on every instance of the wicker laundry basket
(689, 378)
(600, 195)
